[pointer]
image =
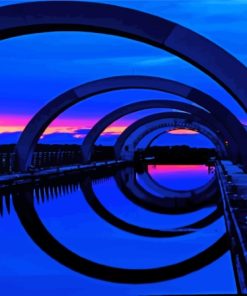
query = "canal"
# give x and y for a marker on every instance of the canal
(82, 213)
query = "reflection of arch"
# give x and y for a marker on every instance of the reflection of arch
(138, 130)
(26, 18)
(173, 202)
(24, 206)
(48, 113)
(99, 127)
(98, 207)
(147, 181)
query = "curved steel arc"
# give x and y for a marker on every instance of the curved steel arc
(203, 130)
(149, 144)
(101, 125)
(146, 178)
(48, 16)
(139, 129)
(48, 113)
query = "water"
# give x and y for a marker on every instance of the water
(180, 177)
(73, 220)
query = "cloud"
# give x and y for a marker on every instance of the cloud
(154, 61)
(142, 61)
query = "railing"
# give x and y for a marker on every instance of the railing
(233, 187)
(59, 158)
(41, 160)
(7, 162)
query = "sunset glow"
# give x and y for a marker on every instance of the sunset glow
(183, 132)
(11, 124)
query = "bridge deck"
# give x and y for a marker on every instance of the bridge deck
(25, 177)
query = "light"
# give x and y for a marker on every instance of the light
(183, 131)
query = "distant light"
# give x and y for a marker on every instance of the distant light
(183, 131)
(79, 136)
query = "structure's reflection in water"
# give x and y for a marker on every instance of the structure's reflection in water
(180, 177)
(75, 224)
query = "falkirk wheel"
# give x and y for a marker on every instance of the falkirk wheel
(48, 113)
(36, 17)
(129, 139)
(51, 16)
(100, 126)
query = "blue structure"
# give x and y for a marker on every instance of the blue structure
(218, 122)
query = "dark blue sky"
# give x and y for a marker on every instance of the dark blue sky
(36, 68)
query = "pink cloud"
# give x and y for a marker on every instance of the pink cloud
(17, 123)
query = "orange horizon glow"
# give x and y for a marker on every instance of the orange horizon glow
(11, 124)
(183, 132)
(61, 129)
(17, 123)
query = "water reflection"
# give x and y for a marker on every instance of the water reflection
(89, 225)
(181, 177)
(141, 189)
